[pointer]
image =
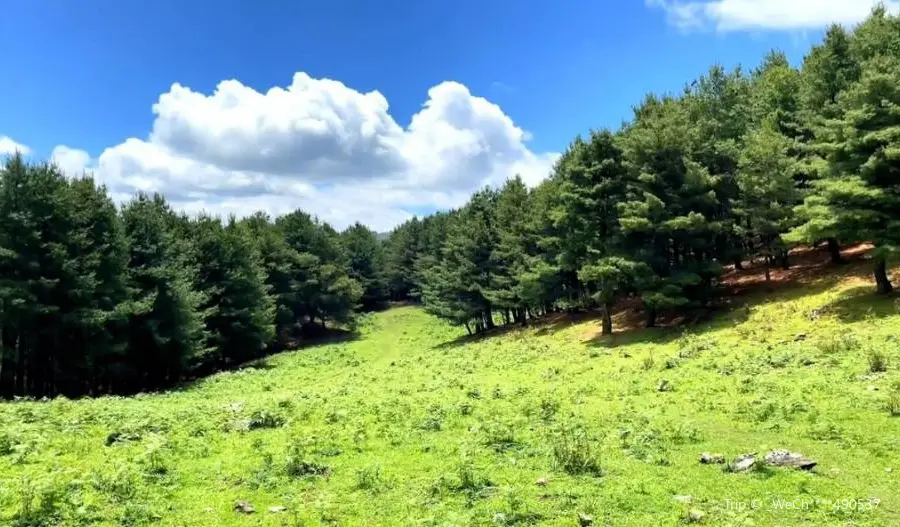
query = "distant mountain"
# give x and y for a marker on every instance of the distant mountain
(382, 235)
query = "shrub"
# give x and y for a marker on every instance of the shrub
(574, 452)
(893, 404)
(265, 419)
(299, 464)
(877, 361)
(369, 478)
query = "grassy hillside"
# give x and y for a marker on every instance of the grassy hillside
(411, 424)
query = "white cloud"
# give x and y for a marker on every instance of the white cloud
(9, 147)
(70, 160)
(734, 15)
(317, 145)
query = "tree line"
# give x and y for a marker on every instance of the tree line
(95, 299)
(739, 165)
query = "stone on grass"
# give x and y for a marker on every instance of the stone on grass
(541, 482)
(277, 508)
(711, 459)
(664, 386)
(244, 507)
(696, 516)
(584, 520)
(744, 462)
(785, 458)
(684, 499)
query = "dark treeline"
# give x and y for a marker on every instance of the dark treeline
(98, 300)
(741, 165)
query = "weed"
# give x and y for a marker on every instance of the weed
(369, 478)
(265, 419)
(574, 451)
(299, 462)
(877, 361)
(893, 404)
(838, 343)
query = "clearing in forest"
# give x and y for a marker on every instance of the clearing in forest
(409, 424)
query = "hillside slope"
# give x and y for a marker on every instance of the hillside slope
(412, 425)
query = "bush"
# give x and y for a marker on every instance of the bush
(893, 404)
(299, 464)
(369, 478)
(265, 419)
(574, 452)
(877, 361)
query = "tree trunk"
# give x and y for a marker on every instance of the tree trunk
(834, 249)
(488, 319)
(468, 329)
(607, 318)
(738, 264)
(785, 260)
(767, 261)
(881, 278)
(651, 317)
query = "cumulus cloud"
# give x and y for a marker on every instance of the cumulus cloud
(319, 145)
(9, 147)
(736, 15)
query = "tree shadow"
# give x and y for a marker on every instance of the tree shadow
(321, 337)
(811, 273)
(861, 303)
(464, 340)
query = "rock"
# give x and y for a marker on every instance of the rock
(584, 520)
(207, 509)
(744, 462)
(800, 337)
(244, 507)
(236, 407)
(711, 459)
(889, 470)
(664, 386)
(541, 482)
(695, 516)
(873, 388)
(684, 499)
(784, 458)
(277, 508)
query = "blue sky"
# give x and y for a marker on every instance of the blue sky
(527, 77)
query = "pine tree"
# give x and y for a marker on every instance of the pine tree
(164, 326)
(860, 198)
(767, 193)
(365, 254)
(239, 313)
(33, 259)
(828, 70)
(508, 255)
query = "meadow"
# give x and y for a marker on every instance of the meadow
(412, 423)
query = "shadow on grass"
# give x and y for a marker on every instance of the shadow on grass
(811, 273)
(861, 303)
(478, 337)
(320, 337)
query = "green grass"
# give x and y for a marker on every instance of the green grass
(409, 425)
